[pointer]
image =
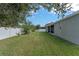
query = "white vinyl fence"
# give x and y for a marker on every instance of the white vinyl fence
(9, 32)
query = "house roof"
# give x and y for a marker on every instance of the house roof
(65, 18)
(49, 24)
(69, 16)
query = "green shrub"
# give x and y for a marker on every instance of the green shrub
(25, 29)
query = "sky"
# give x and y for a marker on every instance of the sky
(43, 16)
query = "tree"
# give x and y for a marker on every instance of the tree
(15, 13)
(59, 8)
(37, 26)
(28, 27)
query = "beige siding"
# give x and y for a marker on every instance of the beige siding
(57, 29)
(68, 29)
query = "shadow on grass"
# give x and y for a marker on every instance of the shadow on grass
(58, 39)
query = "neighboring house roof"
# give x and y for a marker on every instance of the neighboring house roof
(65, 18)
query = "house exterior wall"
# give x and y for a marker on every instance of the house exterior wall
(46, 27)
(68, 29)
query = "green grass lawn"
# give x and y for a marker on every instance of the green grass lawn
(37, 43)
